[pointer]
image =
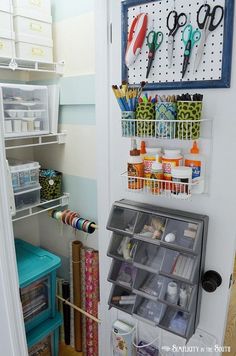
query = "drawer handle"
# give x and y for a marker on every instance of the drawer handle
(35, 2)
(35, 27)
(38, 52)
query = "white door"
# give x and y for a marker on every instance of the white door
(219, 204)
(12, 333)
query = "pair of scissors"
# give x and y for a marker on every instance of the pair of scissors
(208, 21)
(174, 23)
(190, 37)
(154, 41)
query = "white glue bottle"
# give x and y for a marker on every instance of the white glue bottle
(197, 163)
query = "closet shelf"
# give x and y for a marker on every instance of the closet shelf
(179, 130)
(42, 207)
(31, 66)
(38, 140)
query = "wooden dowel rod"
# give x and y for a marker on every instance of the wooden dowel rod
(79, 310)
(94, 226)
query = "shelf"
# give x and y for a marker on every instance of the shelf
(158, 187)
(180, 130)
(37, 140)
(42, 207)
(31, 66)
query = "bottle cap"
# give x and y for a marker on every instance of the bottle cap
(172, 153)
(195, 148)
(135, 152)
(143, 147)
(156, 166)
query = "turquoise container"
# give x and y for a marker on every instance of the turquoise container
(45, 336)
(37, 277)
(166, 114)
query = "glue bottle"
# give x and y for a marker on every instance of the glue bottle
(135, 168)
(197, 163)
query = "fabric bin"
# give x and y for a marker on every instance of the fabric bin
(6, 5)
(36, 9)
(7, 47)
(30, 27)
(34, 52)
(6, 22)
(51, 182)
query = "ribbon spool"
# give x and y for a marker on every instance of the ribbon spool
(73, 219)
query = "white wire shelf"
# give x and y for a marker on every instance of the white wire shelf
(159, 187)
(43, 207)
(167, 129)
(31, 66)
(38, 140)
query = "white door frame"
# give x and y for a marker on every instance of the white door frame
(12, 332)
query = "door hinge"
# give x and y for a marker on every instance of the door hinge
(110, 32)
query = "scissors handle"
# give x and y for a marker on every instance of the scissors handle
(202, 22)
(191, 36)
(178, 21)
(154, 39)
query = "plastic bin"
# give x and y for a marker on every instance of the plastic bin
(37, 277)
(24, 174)
(27, 198)
(44, 339)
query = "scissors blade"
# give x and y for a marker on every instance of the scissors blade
(200, 51)
(170, 50)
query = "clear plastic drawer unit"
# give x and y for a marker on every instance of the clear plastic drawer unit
(24, 109)
(158, 259)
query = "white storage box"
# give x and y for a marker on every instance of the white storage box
(7, 46)
(27, 107)
(6, 23)
(24, 174)
(29, 27)
(6, 5)
(27, 198)
(34, 52)
(37, 9)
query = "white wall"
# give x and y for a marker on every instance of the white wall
(219, 204)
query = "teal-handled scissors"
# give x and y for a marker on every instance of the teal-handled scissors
(154, 41)
(190, 38)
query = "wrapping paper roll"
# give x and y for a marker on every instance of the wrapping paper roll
(72, 339)
(95, 300)
(60, 305)
(76, 252)
(83, 294)
(66, 312)
(89, 301)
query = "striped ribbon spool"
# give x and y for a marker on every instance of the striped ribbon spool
(69, 217)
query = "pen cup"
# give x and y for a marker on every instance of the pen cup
(189, 111)
(128, 124)
(166, 114)
(145, 112)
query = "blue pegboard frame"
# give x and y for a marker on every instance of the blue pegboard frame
(225, 80)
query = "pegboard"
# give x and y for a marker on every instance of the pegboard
(215, 68)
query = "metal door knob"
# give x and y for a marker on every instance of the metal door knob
(211, 280)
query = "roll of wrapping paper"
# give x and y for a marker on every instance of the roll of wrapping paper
(83, 294)
(76, 252)
(89, 301)
(66, 312)
(72, 333)
(60, 305)
(95, 300)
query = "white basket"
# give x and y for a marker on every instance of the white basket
(158, 187)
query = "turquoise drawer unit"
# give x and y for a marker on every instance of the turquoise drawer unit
(44, 338)
(37, 277)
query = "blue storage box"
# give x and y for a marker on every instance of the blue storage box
(44, 339)
(37, 278)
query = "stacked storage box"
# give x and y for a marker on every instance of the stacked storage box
(33, 27)
(37, 278)
(7, 36)
(25, 183)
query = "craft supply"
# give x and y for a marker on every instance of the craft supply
(128, 123)
(170, 160)
(152, 285)
(8, 126)
(190, 233)
(96, 298)
(156, 176)
(190, 38)
(122, 337)
(83, 297)
(154, 41)
(135, 168)
(66, 312)
(17, 125)
(174, 22)
(76, 255)
(196, 162)
(127, 274)
(191, 112)
(166, 114)
(148, 350)
(145, 116)
(124, 297)
(172, 293)
(170, 237)
(143, 150)
(182, 180)
(208, 20)
(193, 226)
(136, 38)
(51, 183)
(183, 298)
(152, 154)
